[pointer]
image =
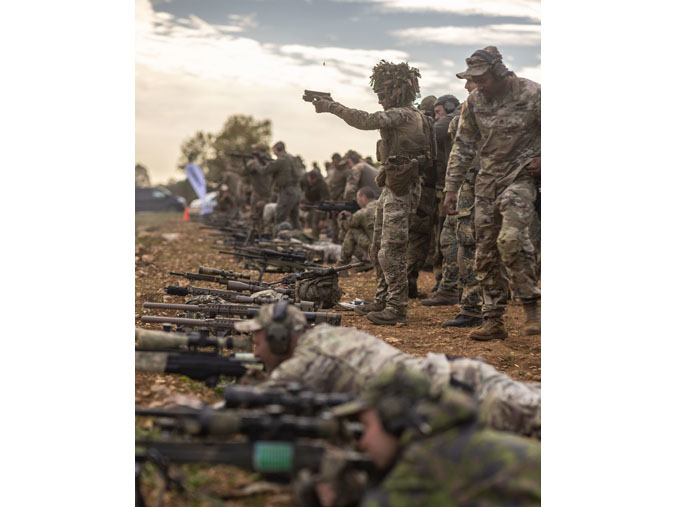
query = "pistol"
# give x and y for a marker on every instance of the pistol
(310, 96)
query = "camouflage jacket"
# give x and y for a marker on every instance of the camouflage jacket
(336, 180)
(339, 359)
(331, 359)
(505, 132)
(283, 171)
(361, 175)
(258, 180)
(364, 219)
(459, 464)
(312, 194)
(402, 129)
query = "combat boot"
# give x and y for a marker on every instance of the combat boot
(387, 317)
(493, 328)
(413, 292)
(532, 311)
(463, 320)
(376, 306)
(441, 298)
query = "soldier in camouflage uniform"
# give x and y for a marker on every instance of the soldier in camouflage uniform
(358, 227)
(336, 179)
(500, 122)
(259, 182)
(336, 359)
(421, 224)
(433, 452)
(315, 190)
(404, 149)
(361, 174)
(286, 179)
(446, 109)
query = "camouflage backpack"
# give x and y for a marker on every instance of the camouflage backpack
(323, 290)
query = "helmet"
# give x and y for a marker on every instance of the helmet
(449, 102)
(397, 81)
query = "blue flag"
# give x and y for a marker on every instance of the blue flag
(199, 185)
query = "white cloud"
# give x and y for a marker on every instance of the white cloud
(244, 21)
(448, 63)
(191, 75)
(513, 8)
(495, 35)
(531, 72)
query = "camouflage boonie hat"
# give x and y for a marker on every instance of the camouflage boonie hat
(481, 62)
(394, 381)
(294, 320)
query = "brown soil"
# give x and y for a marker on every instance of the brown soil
(164, 242)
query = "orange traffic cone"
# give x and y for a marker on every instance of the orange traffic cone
(186, 215)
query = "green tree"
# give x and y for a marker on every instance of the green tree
(237, 135)
(197, 149)
(142, 178)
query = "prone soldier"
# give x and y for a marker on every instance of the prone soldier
(331, 359)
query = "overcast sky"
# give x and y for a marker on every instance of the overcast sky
(200, 61)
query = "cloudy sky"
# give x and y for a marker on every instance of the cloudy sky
(200, 61)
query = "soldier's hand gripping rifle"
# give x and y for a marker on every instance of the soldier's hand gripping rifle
(333, 319)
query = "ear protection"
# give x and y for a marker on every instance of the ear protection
(497, 67)
(277, 335)
(396, 416)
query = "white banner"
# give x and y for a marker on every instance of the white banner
(199, 185)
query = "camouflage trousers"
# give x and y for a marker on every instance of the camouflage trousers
(420, 234)
(388, 248)
(503, 234)
(449, 248)
(356, 242)
(287, 206)
(504, 404)
(313, 219)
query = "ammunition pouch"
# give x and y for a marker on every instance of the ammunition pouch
(380, 177)
(323, 290)
(399, 172)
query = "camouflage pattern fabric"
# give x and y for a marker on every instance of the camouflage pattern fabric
(503, 236)
(330, 359)
(358, 232)
(471, 296)
(287, 206)
(283, 171)
(323, 290)
(462, 466)
(449, 248)
(508, 131)
(361, 175)
(403, 133)
(312, 194)
(390, 240)
(420, 231)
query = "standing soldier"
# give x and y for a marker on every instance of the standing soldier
(285, 176)
(260, 183)
(421, 224)
(336, 179)
(500, 121)
(405, 150)
(315, 190)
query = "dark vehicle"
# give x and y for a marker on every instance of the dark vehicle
(158, 199)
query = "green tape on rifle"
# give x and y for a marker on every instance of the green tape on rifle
(273, 457)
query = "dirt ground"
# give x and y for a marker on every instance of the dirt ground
(166, 243)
